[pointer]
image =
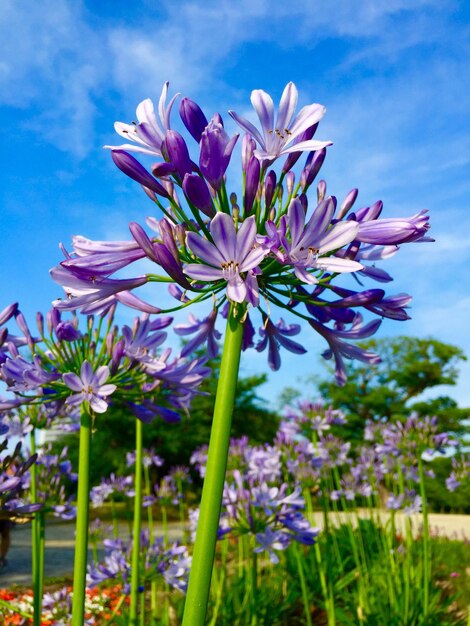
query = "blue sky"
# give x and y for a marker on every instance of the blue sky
(393, 75)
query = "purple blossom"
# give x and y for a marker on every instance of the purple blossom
(206, 332)
(276, 137)
(231, 254)
(275, 335)
(147, 134)
(216, 150)
(90, 387)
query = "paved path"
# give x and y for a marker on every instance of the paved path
(60, 544)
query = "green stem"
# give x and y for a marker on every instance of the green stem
(303, 585)
(211, 500)
(81, 538)
(133, 612)
(35, 542)
(426, 555)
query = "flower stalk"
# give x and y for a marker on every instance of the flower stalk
(133, 615)
(211, 500)
(81, 542)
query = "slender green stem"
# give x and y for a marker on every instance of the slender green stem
(426, 555)
(81, 540)
(153, 584)
(133, 611)
(35, 544)
(211, 500)
(303, 585)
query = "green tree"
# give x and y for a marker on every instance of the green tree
(391, 389)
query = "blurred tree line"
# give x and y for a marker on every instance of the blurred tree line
(388, 391)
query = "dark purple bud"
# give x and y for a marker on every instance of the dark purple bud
(304, 201)
(216, 150)
(362, 298)
(40, 323)
(366, 214)
(198, 194)
(177, 151)
(118, 352)
(8, 313)
(143, 240)
(66, 331)
(269, 187)
(132, 168)
(347, 203)
(293, 157)
(252, 182)
(162, 169)
(193, 118)
(248, 147)
(312, 167)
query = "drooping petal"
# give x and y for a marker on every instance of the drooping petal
(236, 288)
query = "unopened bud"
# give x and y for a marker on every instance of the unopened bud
(321, 190)
(347, 203)
(290, 180)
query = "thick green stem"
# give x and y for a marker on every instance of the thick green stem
(133, 614)
(81, 539)
(211, 500)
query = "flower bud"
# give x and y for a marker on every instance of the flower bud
(193, 118)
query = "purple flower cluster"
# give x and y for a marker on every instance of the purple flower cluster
(258, 502)
(170, 563)
(460, 474)
(278, 247)
(14, 482)
(65, 370)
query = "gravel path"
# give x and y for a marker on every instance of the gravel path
(60, 544)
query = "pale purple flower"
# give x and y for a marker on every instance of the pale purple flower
(270, 540)
(231, 254)
(308, 244)
(90, 387)
(277, 136)
(205, 332)
(147, 134)
(276, 335)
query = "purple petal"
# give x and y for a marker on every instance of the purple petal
(248, 126)
(223, 232)
(287, 106)
(264, 107)
(204, 250)
(199, 271)
(72, 381)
